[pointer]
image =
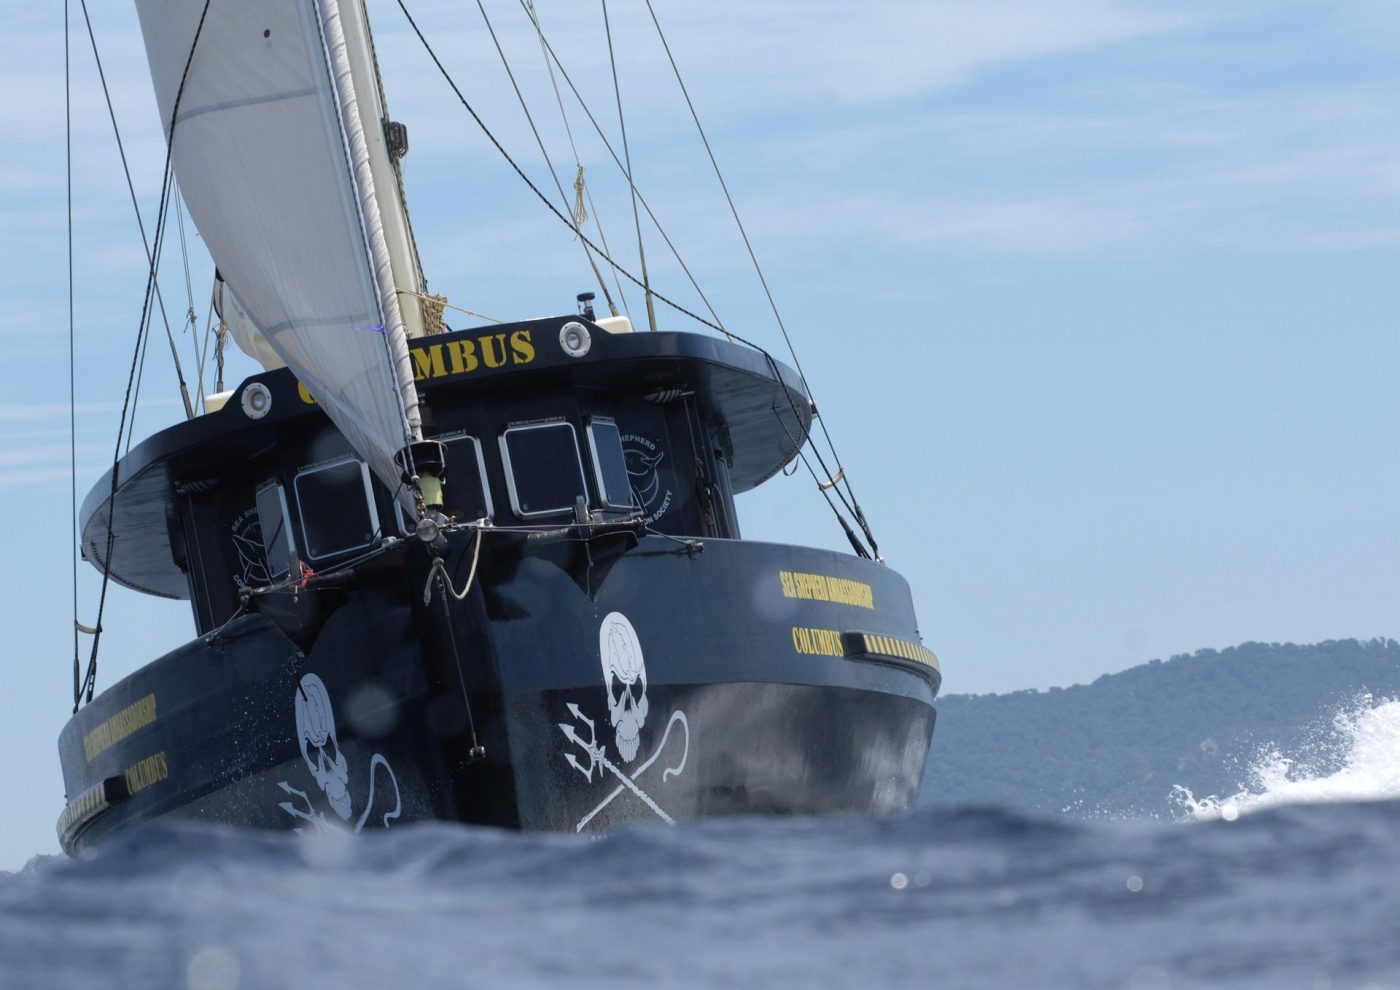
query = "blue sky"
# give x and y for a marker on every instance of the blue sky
(1098, 298)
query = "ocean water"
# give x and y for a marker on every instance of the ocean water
(1297, 886)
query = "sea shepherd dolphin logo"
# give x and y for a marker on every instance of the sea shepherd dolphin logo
(643, 474)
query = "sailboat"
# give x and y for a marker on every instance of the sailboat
(492, 575)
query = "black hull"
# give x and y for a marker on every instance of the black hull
(763, 679)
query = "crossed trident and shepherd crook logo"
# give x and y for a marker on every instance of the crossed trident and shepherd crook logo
(625, 677)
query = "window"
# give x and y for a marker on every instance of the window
(466, 494)
(544, 472)
(336, 506)
(276, 535)
(609, 464)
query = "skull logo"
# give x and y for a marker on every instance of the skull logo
(319, 747)
(625, 674)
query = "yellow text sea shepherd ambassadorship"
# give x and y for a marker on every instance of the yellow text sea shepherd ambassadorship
(820, 588)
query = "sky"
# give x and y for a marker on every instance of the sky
(1097, 298)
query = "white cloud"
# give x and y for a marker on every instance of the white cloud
(1164, 170)
(1187, 169)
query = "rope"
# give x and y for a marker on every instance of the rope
(825, 489)
(141, 371)
(718, 324)
(540, 141)
(580, 211)
(432, 308)
(213, 636)
(131, 190)
(448, 305)
(840, 473)
(151, 290)
(544, 199)
(220, 343)
(476, 751)
(631, 185)
(191, 321)
(440, 570)
(447, 77)
(72, 367)
(204, 346)
(579, 187)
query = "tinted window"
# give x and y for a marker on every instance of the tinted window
(543, 471)
(465, 495)
(609, 464)
(276, 537)
(336, 508)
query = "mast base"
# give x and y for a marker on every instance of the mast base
(424, 465)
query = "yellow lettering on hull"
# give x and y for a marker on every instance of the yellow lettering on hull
(462, 357)
(151, 770)
(134, 716)
(820, 588)
(817, 642)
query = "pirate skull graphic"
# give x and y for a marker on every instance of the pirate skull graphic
(625, 674)
(319, 746)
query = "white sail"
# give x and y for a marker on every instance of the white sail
(271, 157)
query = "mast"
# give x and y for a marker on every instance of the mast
(384, 213)
(384, 165)
(372, 217)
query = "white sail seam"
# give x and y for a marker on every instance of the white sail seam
(251, 101)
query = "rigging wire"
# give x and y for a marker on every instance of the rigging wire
(840, 469)
(72, 367)
(684, 311)
(141, 371)
(191, 321)
(90, 680)
(204, 347)
(602, 284)
(717, 323)
(579, 185)
(131, 190)
(166, 190)
(631, 185)
(568, 222)
(850, 504)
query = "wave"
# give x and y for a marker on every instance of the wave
(976, 897)
(1366, 740)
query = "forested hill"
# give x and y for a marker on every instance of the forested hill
(1117, 746)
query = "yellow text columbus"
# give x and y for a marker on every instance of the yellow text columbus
(461, 357)
(151, 770)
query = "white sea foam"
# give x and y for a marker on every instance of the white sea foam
(1369, 740)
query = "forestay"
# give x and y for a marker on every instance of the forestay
(270, 154)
